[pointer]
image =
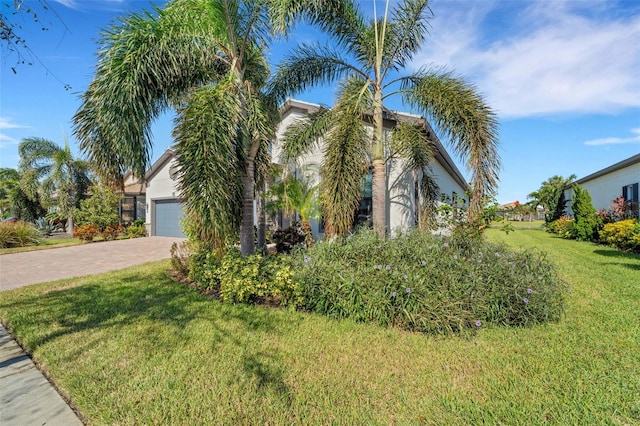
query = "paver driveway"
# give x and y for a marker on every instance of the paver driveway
(21, 269)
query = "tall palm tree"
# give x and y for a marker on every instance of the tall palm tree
(53, 175)
(367, 57)
(204, 59)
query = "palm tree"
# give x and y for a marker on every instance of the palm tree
(53, 175)
(296, 196)
(367, 60)
(550, 195)
(204, 59)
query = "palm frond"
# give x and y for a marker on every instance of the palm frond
(346, 159)
(209, 178)
(306, 66)
(460, 113)
(143, 68)
(407, 30)
(305, 134)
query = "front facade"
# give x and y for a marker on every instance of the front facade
(163, 210)
(620, 179)
(403, 200)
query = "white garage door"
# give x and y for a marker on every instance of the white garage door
(167, 218)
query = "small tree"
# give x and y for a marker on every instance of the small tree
(293, 195)
(100, 209)
(586, 218)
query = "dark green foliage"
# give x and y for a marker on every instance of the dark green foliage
(560, 208)
(587, 221)
(287, 239)
(551, 196)
(26, 208)
(428, 284)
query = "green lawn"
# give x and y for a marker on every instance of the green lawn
(47, 243)
(135, 348)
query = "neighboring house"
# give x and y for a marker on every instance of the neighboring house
(133, 201)
(163, 204)
(620, 179)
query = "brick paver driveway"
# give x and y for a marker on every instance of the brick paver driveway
(21, 269)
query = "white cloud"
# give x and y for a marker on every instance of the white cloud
(6, 141)
(6, 123)
(616, 140)
(550, 57)
(75, 4)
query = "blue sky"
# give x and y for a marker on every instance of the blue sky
(562, 76)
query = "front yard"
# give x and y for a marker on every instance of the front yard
(133, 347)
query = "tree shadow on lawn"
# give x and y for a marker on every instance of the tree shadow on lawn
(624, 256)
(130, 298)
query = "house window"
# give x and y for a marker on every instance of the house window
(630, 195)
(364, 211)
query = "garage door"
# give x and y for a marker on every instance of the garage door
(167, 218)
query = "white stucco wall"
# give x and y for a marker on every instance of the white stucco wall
(401, 203)
(160, 187)
(605, 189)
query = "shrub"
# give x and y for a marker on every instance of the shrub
(136, 230)
(257, 279)
(19, 234)
(251, 279)
(44, 226)
(287, 239)
(180, 256)
(111, 232)
(624, 235)
(101, 209)
(563, 227)
(86, 232)
(427, 283)
(587, 222)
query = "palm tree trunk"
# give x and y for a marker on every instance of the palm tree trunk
(247, 246)
(378, 181)
(308, 233)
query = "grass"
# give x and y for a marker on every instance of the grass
(133, 347)
(47, 243)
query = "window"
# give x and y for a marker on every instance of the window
(364, 211)
(630, 195)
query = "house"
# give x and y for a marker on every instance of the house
(133, 202)
(403, 199)
(162, 197)
(163, 210)
(620, 179)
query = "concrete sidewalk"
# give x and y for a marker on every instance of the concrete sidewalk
(26, 397)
